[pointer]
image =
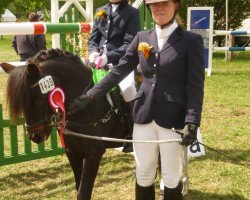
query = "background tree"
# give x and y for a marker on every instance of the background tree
(22, 8)
(98, 3)
(237, 11)
(3, 5)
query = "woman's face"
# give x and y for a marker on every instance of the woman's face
(163, 12)
(114, 1)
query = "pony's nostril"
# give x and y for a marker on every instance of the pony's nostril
(37, 138)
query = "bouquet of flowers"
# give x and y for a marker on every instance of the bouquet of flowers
(145, 48)
(100, 15)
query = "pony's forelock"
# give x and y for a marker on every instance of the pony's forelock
(17, 92)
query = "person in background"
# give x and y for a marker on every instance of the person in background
(114, 27)
(27, 46)
(170, 96)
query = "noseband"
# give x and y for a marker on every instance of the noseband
(44, 121)
(46, 85)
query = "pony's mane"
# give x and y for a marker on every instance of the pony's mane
(18, 92)
(43, 56)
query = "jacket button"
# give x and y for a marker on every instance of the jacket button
(153, 85)
(154, 65)
(106, 31)
(156, 55)
(154, 75)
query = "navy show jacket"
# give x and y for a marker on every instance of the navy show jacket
(116, 31)
(172, 89)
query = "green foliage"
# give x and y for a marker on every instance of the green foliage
(3, 5)
(31, 5)
(237, 12)
(22, 9)
(98, 3)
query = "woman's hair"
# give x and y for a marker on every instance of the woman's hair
(179, 20)
(33, 17)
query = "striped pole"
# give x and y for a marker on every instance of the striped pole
(219, 32)
(25, 28)
(231, 48)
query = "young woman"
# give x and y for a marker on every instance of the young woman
(170, 96)
(114, 27)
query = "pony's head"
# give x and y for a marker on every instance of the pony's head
(25, 95)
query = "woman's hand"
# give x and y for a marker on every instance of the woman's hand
(189, 134)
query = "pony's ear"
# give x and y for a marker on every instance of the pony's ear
(33, 71)
(7, 67)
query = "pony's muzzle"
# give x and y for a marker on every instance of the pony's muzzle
(37, 136)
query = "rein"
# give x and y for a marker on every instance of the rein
(212, 149)
(68, 132)
(88, 86)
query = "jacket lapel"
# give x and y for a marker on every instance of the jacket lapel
(174, 37)
(120, 9)
(152, 38)
(108, 11)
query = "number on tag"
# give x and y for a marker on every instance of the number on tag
(46, 84)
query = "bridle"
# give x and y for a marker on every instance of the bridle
(47, 121)
(56, 118)
(30, 127)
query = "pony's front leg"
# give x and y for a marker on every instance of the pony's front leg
(76, 161)
(89, 171)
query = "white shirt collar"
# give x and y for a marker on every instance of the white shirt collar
(165, 32)
(114, 7)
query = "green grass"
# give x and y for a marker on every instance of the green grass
(225, 127)
(8, 54)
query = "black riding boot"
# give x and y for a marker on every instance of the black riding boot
(173, 193)
(128, 147)
(144, 193)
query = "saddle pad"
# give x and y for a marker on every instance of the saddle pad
(98, 74)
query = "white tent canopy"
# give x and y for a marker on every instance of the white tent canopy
(8, 16)
(246, 25)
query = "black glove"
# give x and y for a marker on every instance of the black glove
(189, 134)
(79, 103)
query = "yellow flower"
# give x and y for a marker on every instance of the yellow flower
(100, 14)
(145, 48)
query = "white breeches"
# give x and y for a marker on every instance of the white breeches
(147, 154)
(127, 86)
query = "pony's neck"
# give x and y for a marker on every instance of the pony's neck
(72, 77)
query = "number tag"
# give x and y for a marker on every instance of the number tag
(46, 84)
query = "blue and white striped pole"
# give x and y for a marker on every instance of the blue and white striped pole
(231, 48)
(243, 32)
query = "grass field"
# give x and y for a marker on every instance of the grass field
(225, 127)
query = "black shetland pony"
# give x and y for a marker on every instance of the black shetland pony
(24, 96)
